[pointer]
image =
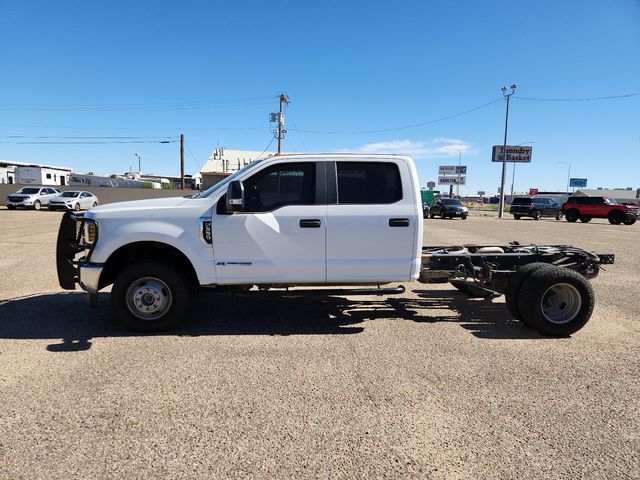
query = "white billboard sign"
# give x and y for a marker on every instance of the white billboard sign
(515, 154)
(452, 170)
(461, 180)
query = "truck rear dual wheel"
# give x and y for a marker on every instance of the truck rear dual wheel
(515, 285)
(149, 297)
(553, 300)
(556, 301)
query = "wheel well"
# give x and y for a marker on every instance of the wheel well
(146, 251)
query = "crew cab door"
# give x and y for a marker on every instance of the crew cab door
(279, 236)
(371, 222)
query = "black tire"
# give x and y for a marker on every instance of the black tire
(11, 207)
(515, 285)
(95, 204)
(517, 217)
(76, 207)
(572, 215)
(585, 219)
(165, 285)
(616, 217)
(537, 215)
(463, 217)
(558, 302)
(629, 221)
(37, 205)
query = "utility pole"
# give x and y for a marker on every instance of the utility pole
(504, 149)
(284, 100)
(182, 161)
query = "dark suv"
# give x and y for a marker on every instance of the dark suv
(535, 207)
(586, 208)
(448, 207)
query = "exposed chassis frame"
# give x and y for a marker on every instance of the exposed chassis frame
(489, 267)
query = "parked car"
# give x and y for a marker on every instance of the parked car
(31, 197)
(425, 209)
(586, 208)
(535, 207)
(448, 207)
(74, 200)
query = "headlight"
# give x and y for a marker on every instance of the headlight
(90, 232)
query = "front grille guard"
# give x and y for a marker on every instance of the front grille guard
(69, 246)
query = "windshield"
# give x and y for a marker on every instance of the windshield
(521, 201)
(223, 183)
(28, 191)
(69, 194)
(451, 201)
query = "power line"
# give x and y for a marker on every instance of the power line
(583, 99)
(263, 152)
(105, 107)
(394, 129)
(129, 128)
(82, 137)
(84, 143)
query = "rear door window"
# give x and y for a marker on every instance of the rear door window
(367, 183)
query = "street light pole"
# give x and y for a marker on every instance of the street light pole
(139, 162)
(504, 149)
(568, 172)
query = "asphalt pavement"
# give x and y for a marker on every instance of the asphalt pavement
(428, 384)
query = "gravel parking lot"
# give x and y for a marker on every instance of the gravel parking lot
(427, 384)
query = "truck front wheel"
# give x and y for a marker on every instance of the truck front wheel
(149, 297)
(558, 301)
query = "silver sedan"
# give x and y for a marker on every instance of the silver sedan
(73, 200)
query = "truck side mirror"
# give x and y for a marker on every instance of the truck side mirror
(235, 196)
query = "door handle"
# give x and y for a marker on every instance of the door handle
(310, 223)
(398, 222)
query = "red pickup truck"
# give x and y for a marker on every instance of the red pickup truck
(586, 208)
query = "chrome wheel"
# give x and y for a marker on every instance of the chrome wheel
(561, 303)
(149, 298)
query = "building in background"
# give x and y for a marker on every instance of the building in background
(33, 173)
(223, 162)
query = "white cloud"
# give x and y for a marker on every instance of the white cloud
(436, 148)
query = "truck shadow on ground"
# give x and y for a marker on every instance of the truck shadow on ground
(67, 316)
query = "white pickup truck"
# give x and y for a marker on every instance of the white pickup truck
(306, 220)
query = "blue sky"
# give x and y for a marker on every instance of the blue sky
(212, 70)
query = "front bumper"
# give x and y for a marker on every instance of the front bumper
(62, 206)
(457, 213)
(72, 266)
(90, 277)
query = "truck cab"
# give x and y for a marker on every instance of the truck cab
(282, 221)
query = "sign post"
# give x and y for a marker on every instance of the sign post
(452, 175)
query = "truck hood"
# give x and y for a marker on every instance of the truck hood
(135, 205)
